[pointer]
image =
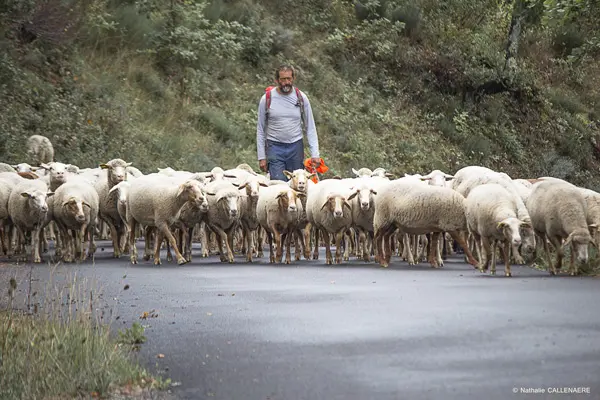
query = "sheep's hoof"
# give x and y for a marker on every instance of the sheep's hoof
(249, 259)
(288, 261)
(182, 261)
(146, 257)
(134, 260)
(315, 256)
(507, 274)
(37, 260)
(384, 264)
(157, 261)
(260, 254)
(492, 272)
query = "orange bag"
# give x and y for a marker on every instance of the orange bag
(321, 169)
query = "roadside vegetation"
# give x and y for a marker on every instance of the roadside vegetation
(61, 347)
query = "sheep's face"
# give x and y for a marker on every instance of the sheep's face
(580, 242)
(365, 200)
(335, 204)
(287, 200)
(216, 174)
(437, 178)
(57, 171)
(37, 200)
(252, 187)
(362, 172)
(230, 203)
(74, 207)
(23, 167)
(527, 238)
(298, 180)
(510, 229)
(117, 170)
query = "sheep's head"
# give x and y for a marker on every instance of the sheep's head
(364, 194)
(247, 168)
(228, 200)
(580, 239)
(58, 172)
(74, 207)
(362, 172)
(216, 174)
(252, 187)
(122, 188)
(437, 178)
(527, 238)
(510, 229)
(335, 204)
(24, 167)
(37, 200)
(381, 172)
(117, 170)
(287, 200)
(298, 180)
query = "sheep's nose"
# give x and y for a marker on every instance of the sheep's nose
(233, 213)
(120, 178)
(292, 208)
(364, 205)
(338, 214)
(44, 208)
(80, 218)
(516, 242)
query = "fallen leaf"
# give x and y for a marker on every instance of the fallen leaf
(126, 287)
(209, 314)
(160, 355)
(145, 315)
(332, 282)
(95, 394)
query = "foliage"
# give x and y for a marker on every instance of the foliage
(406, 85)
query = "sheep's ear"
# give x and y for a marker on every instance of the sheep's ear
(325, 204)
(300, 194)
(353, 195)
(374, 191)
(105, 166)
(128, 164)
(44, 166)
(311, 175)
(568, 241)
(288, 174)
(182, 188)
(68, 201)
(235, 184)
(281, 194)
(230, 176)
(389, 175)
(347, 204)
(355, 172)
(211, 194)
(526, 225)
(49, 194)
(500, 225)
(593, 229)
(263, 184)
(85, 203)
(423, 178)
(448, 177)
(25, 194)
(336, 177)
(243, 186)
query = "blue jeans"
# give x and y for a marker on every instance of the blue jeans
(284, 156)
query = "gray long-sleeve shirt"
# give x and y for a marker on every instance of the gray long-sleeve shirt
(285, 122)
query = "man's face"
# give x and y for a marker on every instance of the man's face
(285, 81)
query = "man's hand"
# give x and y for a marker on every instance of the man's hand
(262, 165)
(316, 161)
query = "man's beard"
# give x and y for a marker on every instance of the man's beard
(285, 88)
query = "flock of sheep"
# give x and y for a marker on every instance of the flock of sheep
(371, 214)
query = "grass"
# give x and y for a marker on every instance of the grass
(63, 349)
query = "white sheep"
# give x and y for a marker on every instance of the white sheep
(6, 168)
(27, 208)
(278, 211)
(75, 208)
(558, 211)
(327, 208)
(301, 181)
(491, 212)
(40, 149)
(155, 202)
(418, 209)
(112, 173)
(362, 202)
(223, 214)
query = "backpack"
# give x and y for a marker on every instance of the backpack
(300, 101)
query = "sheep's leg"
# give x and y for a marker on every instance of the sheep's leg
(432, 257)
(493, 248)
(168, 246)
(445, 248)
(249, 247)
(557, 243)
(516, 255)
(440, 249)
(114, 234)
(278, 246)
(306, 239)
(164, 228)
(229, 244)
(378, 246)
(271, 252)
(506, 252)
(157, 245)
(188, 243)
(486, 255)
(316, 238)
(35, 244)
(148, 251)
(339, 236)
(364, 245)
(288, 244)
(573, 268)
(326, 239)
(3, 240)
(204, 240)
(347, 242)
(133, 254)
(408, 246)
(458, 236)
(260, 232)
(91, 248)
(388, 237)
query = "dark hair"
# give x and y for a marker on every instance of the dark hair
(285, 67)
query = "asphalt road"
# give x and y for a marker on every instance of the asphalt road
(352, 331)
